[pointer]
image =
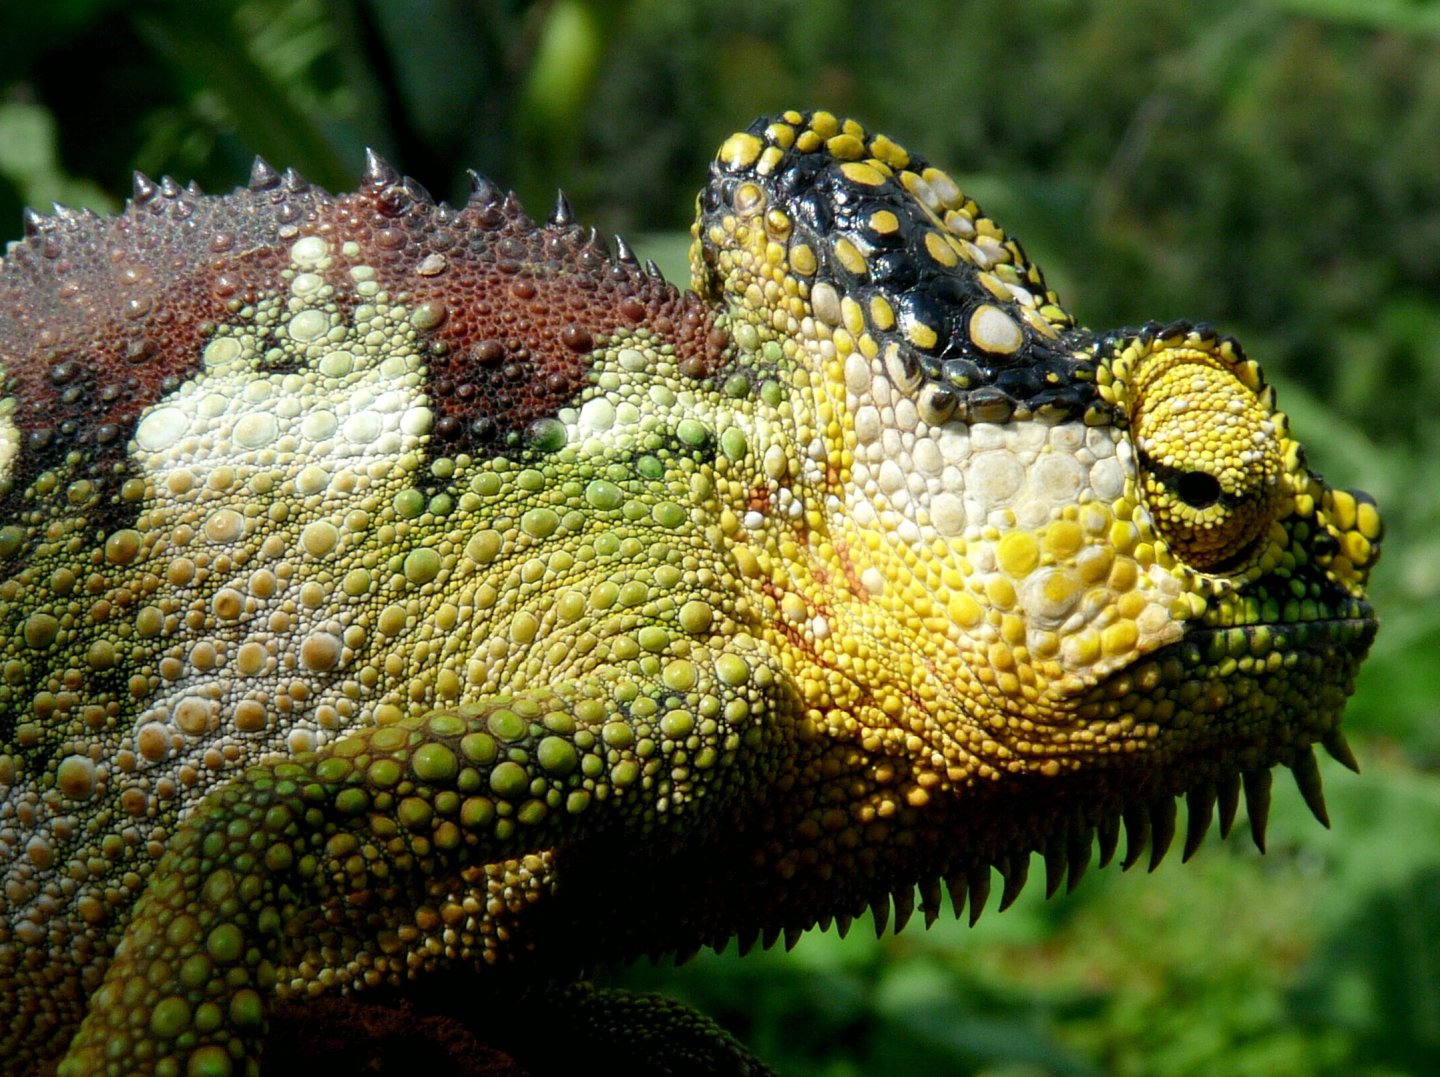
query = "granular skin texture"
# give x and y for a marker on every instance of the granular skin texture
(404, 603)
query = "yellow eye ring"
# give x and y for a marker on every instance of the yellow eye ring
(1209, 454)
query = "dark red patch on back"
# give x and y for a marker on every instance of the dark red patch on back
(102, 317)
(514, 311)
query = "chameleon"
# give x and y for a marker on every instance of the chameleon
(389, 588)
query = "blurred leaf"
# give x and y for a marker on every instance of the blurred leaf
(1409, 16)
(670, 250)
(29, 161)
(200, 39)
(1377, 976)
(556, 88)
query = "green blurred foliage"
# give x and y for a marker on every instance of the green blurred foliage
(1272, 167)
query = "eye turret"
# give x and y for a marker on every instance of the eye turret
(1210, 455)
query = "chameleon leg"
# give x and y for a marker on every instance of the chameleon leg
(459, 1027)
(641, 1033)
(400, 848)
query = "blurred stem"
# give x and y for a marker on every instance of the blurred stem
(568, 50)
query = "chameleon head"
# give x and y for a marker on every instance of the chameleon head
(1066, 552)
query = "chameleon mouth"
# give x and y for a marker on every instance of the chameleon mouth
(1350, 625)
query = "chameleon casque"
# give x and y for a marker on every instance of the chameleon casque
(389, 587)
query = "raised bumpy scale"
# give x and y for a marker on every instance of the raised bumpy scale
(387, 587)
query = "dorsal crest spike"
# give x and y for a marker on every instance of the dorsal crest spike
(262, 176)
(417, 192)
(482, 191)
(623, 254)
(562, 215)
(294, 182)
(378, 172)
(142, 189)
(36, 223)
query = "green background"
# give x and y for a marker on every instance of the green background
(1270, 167)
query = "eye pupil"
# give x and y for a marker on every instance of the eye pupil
(1198, 489)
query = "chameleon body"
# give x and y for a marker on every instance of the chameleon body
(388, 587)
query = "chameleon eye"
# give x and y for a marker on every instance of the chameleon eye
(1209, 450)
